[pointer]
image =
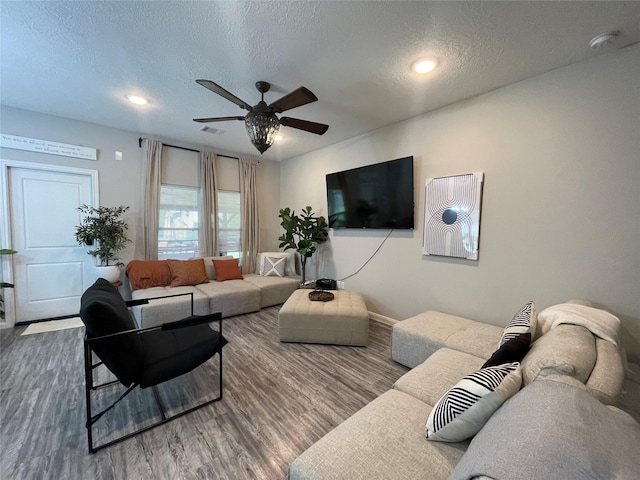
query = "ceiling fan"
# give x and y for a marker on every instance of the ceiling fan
(261, 122)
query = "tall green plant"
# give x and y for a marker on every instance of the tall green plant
(3, 285)
(104, 228)
(302, 233)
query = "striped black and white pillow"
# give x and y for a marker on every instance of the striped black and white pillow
(465, 408)
(524, 321)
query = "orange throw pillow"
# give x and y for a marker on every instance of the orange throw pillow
(187, 272)
(148, 273)
(227, 270)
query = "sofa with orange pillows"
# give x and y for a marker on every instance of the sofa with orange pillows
(216, 283)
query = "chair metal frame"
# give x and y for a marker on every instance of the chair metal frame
(89, 367)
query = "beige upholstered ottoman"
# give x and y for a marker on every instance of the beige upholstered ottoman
(341, 321)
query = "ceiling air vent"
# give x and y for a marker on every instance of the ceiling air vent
(211, 130)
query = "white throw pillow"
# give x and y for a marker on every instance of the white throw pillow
(290, 255)
(465, 408)
(524, 321)
(274, 266)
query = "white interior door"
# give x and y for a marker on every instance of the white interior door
(51, 270)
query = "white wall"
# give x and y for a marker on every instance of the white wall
(561, 206)
(122, 182)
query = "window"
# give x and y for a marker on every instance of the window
(229, 223)
(178, 222)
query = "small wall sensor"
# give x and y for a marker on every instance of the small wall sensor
(118, 155)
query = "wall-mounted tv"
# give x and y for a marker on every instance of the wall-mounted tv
(378, 196)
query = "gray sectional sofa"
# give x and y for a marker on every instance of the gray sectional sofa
(231, 297)
(559, 425)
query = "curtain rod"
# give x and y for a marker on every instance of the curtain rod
(183, 148)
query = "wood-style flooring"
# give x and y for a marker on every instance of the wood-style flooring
(279, 398)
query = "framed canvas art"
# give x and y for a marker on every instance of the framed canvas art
(452, 216)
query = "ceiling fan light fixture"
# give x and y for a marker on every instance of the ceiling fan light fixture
(262, 123)
(262, 129)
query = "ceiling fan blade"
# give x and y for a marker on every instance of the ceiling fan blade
(297, 98)
(216, 119)
(306, 125)
(215, 88)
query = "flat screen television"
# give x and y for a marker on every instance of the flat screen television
(378, 196)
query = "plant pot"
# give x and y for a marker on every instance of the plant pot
(110, 273)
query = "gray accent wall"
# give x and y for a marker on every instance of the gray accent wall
(560, 216)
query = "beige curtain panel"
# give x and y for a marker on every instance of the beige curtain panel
(249, 213)
(208, 231)
(152, 153)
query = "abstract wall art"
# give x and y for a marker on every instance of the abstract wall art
(452, 216)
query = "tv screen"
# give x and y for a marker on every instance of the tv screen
(374, 196)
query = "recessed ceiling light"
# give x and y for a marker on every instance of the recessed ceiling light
(424, 65)
(278, 137)
(137, 100)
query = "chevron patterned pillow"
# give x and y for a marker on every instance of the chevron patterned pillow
(274, 266)
(524, 321)
(465, 408)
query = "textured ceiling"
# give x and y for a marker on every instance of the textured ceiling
(80, 59)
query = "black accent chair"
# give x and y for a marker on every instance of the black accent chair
(142, 357)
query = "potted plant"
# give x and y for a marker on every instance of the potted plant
(104, 229)
(302, 233)
(3, 284)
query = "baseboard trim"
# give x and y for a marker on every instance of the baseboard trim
(382, 319)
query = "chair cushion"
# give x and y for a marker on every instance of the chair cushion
(104, 312)
(171, 353)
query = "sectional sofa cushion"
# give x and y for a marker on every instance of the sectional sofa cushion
(566, 349)
(383, 440)
(148, 274)
(524, 321)
(170, 309)
(187, 272)
(274, 290)
(465, 408)
(569, 435)
(231, 297)
(415, 339)
(607, 376)
(430, 380)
